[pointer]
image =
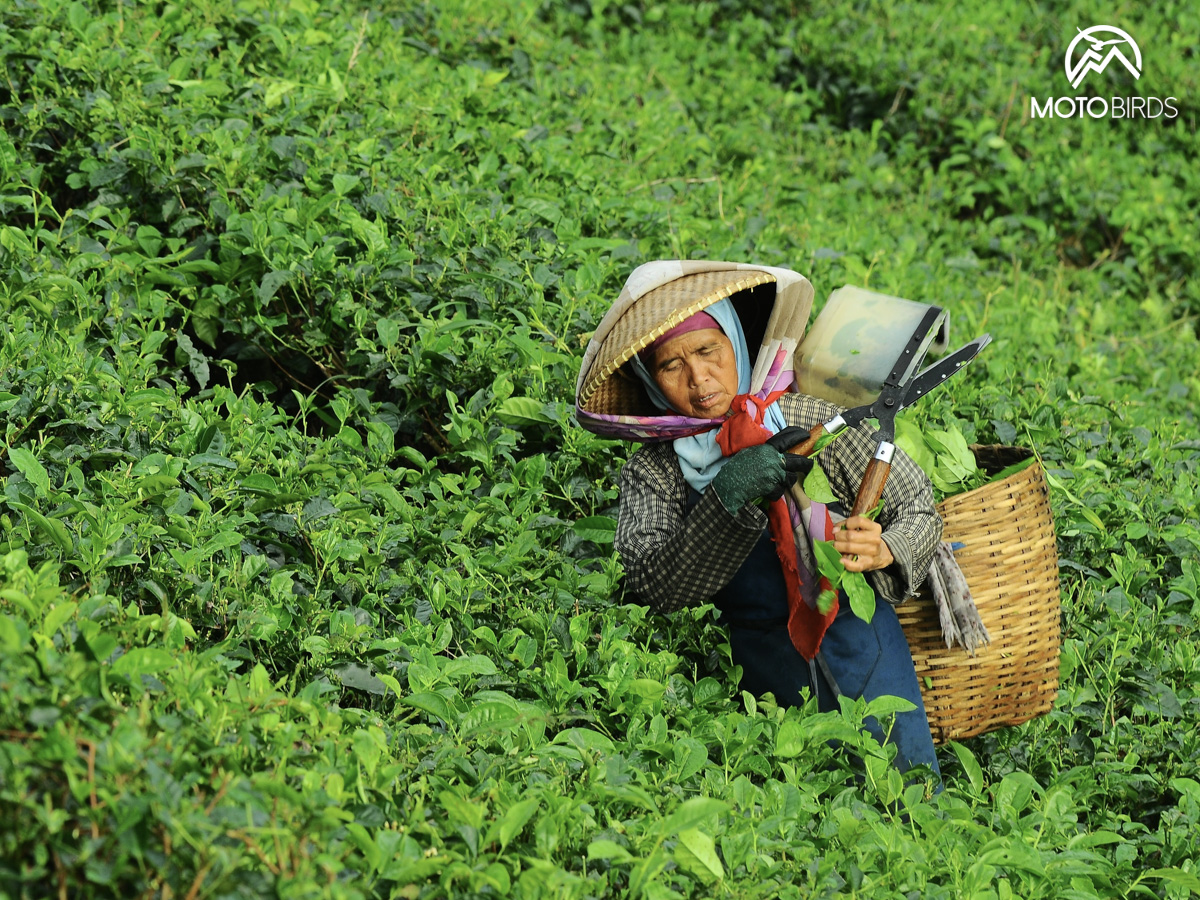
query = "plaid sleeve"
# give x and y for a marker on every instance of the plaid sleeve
(911, 525)
(672, 557)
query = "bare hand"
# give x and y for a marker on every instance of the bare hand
(860, 542)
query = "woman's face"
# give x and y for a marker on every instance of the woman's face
(697, 373)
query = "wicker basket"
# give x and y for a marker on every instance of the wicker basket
(1010, 561)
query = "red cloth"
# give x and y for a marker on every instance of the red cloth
(745, 428)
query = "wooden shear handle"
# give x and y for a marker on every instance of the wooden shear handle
(873, 481)
(807, 447)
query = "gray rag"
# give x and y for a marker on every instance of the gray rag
(957, 614)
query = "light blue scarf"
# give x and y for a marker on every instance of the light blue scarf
(699, 456)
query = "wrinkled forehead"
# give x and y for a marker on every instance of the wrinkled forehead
(693, 342)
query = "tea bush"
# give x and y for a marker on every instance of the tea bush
(307, 575)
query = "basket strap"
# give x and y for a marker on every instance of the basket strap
(826, 671)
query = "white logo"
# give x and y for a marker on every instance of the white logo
(1098, 46)
(1094, 58)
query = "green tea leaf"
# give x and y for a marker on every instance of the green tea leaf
(1186, 787)
(360, 679)
(1177, 876)
(1009, 471)
(210, 459)
(12, 637)
(829, 562)
(605, 849)
(549, 211)
(825, 601)
(515, 819)
(142, 661)
(585, 739)
(1011, 852)
(790, 739)
(970, 765)
(825, 440)
(860, 595)
(391, 682)
(647, 688)
(207, 329)
(222, 540)
(432, 703)
(522, 411)
(1095, 839)
(53, 528)
(490, 716)
(692, 757)
(187, 353)
(33, 470)
(259, 483)
(952, 450)
(388, 331)
(911, 440)
(58, 616)
(272, 282)
(599, 529)
(696, 852)
(463, 666)
(343, 184)
(816, 485)
(887, 705)
(691, 814)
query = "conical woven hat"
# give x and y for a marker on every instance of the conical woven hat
(655, 314)
(656, 298)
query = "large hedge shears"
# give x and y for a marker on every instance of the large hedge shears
(900, 390)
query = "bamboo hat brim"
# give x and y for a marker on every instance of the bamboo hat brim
(604, 388)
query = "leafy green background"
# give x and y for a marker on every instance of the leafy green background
(306, 582)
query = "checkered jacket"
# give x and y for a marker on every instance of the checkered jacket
(675, 558)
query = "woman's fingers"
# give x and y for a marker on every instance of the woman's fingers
(860, 542)
(855, 532)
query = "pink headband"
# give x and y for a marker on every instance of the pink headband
(697, 322)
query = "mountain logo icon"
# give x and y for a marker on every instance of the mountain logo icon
(1103, 45)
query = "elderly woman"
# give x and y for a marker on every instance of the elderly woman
(700, 521)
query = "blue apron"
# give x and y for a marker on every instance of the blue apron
(858, 659)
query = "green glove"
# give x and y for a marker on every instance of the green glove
(755, 472)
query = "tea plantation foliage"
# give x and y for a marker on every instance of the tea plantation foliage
(306, 582)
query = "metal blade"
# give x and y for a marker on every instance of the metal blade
(935, 374)
(852, 418)
(918, 345)
(921, 385)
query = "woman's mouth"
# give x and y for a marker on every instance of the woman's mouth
(707, 400)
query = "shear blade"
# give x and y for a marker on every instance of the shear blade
(935, 374)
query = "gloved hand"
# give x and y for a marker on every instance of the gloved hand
(789, 437)
(761, 471)
(797, 466)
